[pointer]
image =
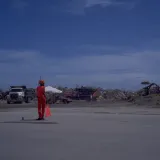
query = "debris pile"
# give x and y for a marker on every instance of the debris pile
(116, 94)
(148, 95)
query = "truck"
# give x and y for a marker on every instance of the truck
(84, 93)
(81, 93)
(19, 94)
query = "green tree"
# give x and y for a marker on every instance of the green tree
(145, 83)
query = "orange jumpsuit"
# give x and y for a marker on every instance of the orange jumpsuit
(41, 101)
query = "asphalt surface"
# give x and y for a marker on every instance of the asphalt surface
(81, 134)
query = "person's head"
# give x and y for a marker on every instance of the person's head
(41, 82)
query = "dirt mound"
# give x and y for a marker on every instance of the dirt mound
(149, 100)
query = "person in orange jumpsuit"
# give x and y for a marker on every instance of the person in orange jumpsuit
(41, 100)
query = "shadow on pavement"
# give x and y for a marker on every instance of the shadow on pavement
(28, 121)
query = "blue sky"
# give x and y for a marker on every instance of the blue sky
(107, 43)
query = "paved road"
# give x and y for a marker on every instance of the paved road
(81, 134)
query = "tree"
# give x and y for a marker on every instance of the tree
(145, 89)
(60, 88)
(145, 83)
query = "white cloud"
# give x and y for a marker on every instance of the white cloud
(80, 6)
(106, 70)
(103, 3)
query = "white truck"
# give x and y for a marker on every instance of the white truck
(19, 94)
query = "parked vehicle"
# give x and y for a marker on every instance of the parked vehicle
(82, 93)
(19, 94)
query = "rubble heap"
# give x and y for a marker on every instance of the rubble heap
(116, 94)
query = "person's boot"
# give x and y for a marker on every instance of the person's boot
(38, 119)
(42, 118)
